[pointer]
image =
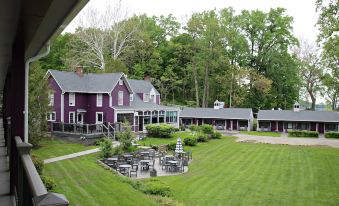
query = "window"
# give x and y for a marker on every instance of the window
(121, 82)
(71, 99)
(289, 125)
(99, 100)
(153, 98)
(51, 116)
(121, 98)
(99, 117)
(131, 97)
(171, 117)
(71, 116)
(51, 98)
(146, 97)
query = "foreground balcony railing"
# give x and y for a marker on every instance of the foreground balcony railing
(26, 184)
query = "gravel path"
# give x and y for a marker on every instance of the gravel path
(288, 140)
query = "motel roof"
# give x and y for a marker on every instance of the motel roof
(223, 113)
(302, 116)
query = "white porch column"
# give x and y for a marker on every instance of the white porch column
(62, 107)
(276, 126)
(258, 125)
(249, 125)
(231, 124)
(317, 127)
(178, 119)
(237, 124)
(225, 124)
(134, 121)
(158, 116)
(143, 121)
(151, 117)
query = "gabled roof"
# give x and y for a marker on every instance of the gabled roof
(89, 83)
(138, 104)
(224, 113)
(289, 115)
(142, 86)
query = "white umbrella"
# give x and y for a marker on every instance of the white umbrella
(178, 148)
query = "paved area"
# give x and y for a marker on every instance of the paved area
(78, 154)
(321, 141)
(5, 198)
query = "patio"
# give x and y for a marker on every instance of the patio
(149, 163)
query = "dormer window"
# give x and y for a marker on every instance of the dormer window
(146, 97)
(121, 82)
(131, 97)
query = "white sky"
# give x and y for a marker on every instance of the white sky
(303, 11)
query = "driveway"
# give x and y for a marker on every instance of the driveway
(288, 140)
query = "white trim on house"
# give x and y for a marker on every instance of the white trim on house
(110, 99)
(126, 82)
(69, 117)
(50, 73)
(62, 107)
(99, 99)
(71, 103)
(96, 118)
(120, 98)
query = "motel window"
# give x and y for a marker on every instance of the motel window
(171, 117)
(289, 125)
(51, 116)
(146, 97)
(71, 99)
(121, 82)
(120, 98)
(71, 117)
(51, 98)
(99, 100)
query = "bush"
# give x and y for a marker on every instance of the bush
(302, 133)
(106, 148)
(171, 146)
(202, 137)
(332, 135)
(216, 135)
(38, 163)
(190, 141)
(161, 130)
(48, 182)
(194, 127)
(182, 127)
(156, 187)
(98, 141)
(125, 138)
(206, 128)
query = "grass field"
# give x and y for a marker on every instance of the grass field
(223, 172)
(55, 147)
(256, 133)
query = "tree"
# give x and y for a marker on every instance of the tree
(332, 89)
(310, 70)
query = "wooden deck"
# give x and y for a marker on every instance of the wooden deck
(5, 198)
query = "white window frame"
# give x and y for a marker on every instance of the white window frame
(146, 97)
(96, 117)
(50, 116)
(99, 101)
(71, 103)
(121, 82)
(120, 98)
(131, 97)
(69, 117)
(51, 98)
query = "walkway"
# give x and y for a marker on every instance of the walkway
(5, 198)
(288, 140)
(78, 154)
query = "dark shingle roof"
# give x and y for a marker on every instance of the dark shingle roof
(225, 113)
(289, 115)
(142, 86)
(138, 104)
(89, 83)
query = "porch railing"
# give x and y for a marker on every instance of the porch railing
(25, 182)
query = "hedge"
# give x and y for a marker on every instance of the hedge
(332, 135)
(202, 137)
(204, 128)
(160, 130)
(190, 141)
(216, 135)
(302, 133)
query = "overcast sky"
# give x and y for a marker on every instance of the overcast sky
(303, 11)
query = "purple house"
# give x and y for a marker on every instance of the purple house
(80, 98)
(296, 119)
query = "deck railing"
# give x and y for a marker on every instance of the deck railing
(25, 182)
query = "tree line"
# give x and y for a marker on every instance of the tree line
(250, 59)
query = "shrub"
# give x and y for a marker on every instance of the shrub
(117, 151)
(332, 134)
(194, 127)
(182, 127)
(202, 137)
(156, 187)
(125, 138)
(206, 128)
(171, 146)
(161, 130)
(190, 141)
(38, 163)
(48, 182)
(106, 147)
(98, 141)
(216, 135)
(302, 133)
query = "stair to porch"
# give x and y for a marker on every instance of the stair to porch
(5, 198)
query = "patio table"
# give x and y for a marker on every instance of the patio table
(128, 155)
(145, 163)
(125, 167)
(112, 159)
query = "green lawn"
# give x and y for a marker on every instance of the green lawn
(256, 133)
(56, 147)
(223, 172)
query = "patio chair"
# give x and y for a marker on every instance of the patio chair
(144, 167)
(165, 165)
(133, 172)
(178, 167)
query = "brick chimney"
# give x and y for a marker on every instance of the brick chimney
(147, 78)
(79, 70)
